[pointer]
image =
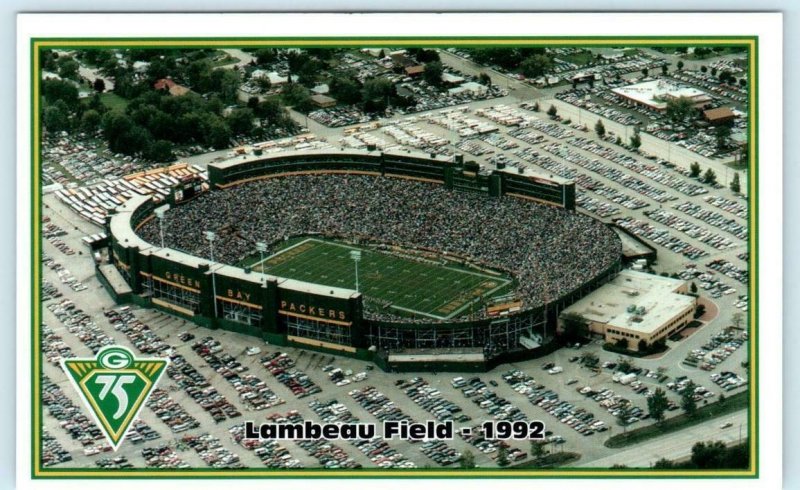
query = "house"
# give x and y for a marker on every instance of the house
(415, 70)
(718, 116)
(170, 86)
(323, 101)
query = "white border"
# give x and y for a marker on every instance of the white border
(768, 27)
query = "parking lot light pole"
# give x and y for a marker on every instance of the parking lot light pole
(210, 236)
(356, 256)
(262, 249)
(160, 215)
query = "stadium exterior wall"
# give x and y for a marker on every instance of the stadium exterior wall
(289, 312)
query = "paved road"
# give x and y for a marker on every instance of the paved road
(676, 446)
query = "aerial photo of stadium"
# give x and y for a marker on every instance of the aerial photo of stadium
(372, 233)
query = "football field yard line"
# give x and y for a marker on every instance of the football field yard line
(414, 287)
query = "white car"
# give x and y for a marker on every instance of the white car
(555, 370)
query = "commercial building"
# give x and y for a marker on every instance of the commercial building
(635, 306)
(654, 94)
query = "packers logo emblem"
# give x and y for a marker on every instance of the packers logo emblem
(114, 386)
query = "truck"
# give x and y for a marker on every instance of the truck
(627, 378)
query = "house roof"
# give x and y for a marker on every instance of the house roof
(718, 113)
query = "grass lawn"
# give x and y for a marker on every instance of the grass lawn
(113, 101)
(405, 286)
(579, 59)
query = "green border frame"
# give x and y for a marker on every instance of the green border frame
(37, 44)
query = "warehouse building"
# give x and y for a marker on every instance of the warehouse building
(655, 94)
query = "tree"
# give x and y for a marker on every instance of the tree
(263, 83)
(218, 135)
(680, 65)
(467, 461)
(657, 405)
(552, 111)
(590, 359)
(688, 403)
(433, 73)
(229, 85)
(99, 85)
(704, 69)
(622, 343)
(722, 133)
(645, 72)
(664, 464)
(599, 128)
(502, 456)
(297, 96)
(536, 107)
(54, 90)
(241, 121)
(737, 319)
(713, 72)
(735, 184)
(484, 79)
(664, 69)
(743, 82)
(710, 455)
(699, 311)
(642, 345)
(536, 66)
(68, 68)
(265, 56)
(693, 287)
(721, 399)
(56, 117)
(710, 177)
(694, 170)
(537, 449)
(160, 151)
(90, 121)
(623, 415)
(345, 89)
(679, 109)
(636, 141)
(625, 364)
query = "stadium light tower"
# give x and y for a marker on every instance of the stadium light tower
(211, 236)
(262, 249)
(160, 216)
(356, 256)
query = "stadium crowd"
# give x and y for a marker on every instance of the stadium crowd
(549, 251)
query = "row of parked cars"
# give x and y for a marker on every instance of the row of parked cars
(80, 324)
(659, 236)
(163, 456)
(714, 219)
(53, 452)
(269, 451)
(171, 412)
(212, 452)
(329, 455)
(728, 381)
(64, 275)
(280, 365)
(577, 418)
(489, 401)
(648, 170)
(431, 399)
(253, 392)
(690, 229)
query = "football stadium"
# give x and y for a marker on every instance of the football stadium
(413, 261)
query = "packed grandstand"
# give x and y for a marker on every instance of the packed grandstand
(549, 251)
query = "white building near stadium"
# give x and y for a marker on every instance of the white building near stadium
(635, 306)
(655, 94)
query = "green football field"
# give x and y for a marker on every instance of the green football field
(409, 287)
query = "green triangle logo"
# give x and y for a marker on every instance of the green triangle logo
(114, 386)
